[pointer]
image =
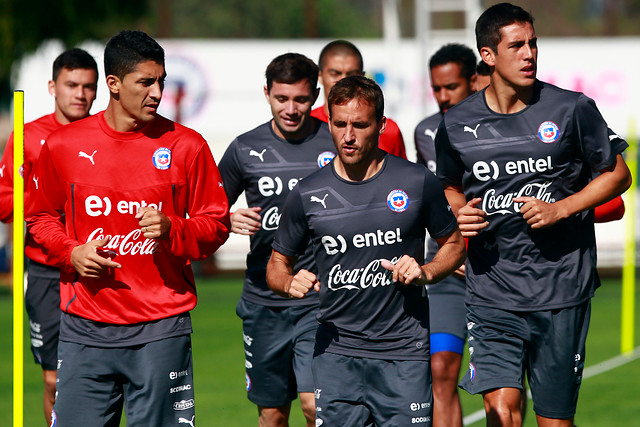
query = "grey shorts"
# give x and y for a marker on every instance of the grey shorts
(547, 346)
(447, 311)
(42, 302)
(356, 391)
(153, 381)
(278, 348)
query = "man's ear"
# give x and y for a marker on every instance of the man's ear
(52, 88)
(113, 83)
(488, 56)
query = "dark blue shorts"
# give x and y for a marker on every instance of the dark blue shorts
(356, 391)
(547, 346)
(153, 381)
(278, 347)
(42, 302)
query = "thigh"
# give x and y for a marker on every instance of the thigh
(268, 347)
(399, 392)
(497, 349)
(305, 326)
(89, 391)
(159, 386)
(339, 391)
(557, 359)
(42, 302)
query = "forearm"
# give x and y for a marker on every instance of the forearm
(279, 273)
(605, 187)
(449, 257)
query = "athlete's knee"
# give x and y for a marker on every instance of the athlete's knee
(308, 405)
(503, 408)
(273, 416)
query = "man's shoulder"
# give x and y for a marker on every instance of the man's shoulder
(430, 122)
(261, 134)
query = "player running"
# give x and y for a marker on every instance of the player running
(266, 163)
(517, 161)
(371, 357)
(141, 196)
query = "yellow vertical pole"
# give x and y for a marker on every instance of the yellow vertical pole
(18, 259)
(629, 268)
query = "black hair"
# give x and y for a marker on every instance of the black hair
(73, 59)
(129, 48)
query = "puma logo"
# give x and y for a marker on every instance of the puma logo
(318, 200)
(36, 181)
(2, 171)
(86, 156)
(256, 154)
(182, 420)
(431, 133)
(473, 131)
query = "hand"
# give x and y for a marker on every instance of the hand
(87, 261)
(246, 221)
(301, 284)
(471, 220)
(154, 224)
(537, 213)
(406, 271)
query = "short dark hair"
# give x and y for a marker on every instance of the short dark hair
(73, 59)
(340, 47)
(458, 54)
(290, 68)
(483, 69)
(357, 87)
(127, 49)
(492, 20)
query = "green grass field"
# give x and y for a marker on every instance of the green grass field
(608, 399)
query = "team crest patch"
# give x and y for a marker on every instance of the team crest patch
(162, 158)
(21, 171)
(324, 158)
(548, 132)
(398, 201)
(472, 372)
(248, 381)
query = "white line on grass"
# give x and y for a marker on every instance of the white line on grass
(588, 372)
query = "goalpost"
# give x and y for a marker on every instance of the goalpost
(18, 259)
(627, 329)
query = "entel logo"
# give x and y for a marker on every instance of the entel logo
(268, 186)
(96, 206)
(175, 375)
(377, 238)
(484, 171)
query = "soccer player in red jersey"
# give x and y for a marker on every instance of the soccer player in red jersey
(141, 197)
(340, 59)
(73, 86)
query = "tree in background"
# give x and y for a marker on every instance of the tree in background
(24, 24)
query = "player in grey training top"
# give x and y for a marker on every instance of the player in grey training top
(452, 72)
(516, 160)
(267, 163)
(365, 214)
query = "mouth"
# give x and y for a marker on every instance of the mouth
(349, 149)
(528, 70)
(289, 121)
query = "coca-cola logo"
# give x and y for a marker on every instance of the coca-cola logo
(493, 203)
(125, 244)
(271, 219)
(370, 276)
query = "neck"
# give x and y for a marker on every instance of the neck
(504, 98)
(118, 120)
(61, 118)
(362, 170)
